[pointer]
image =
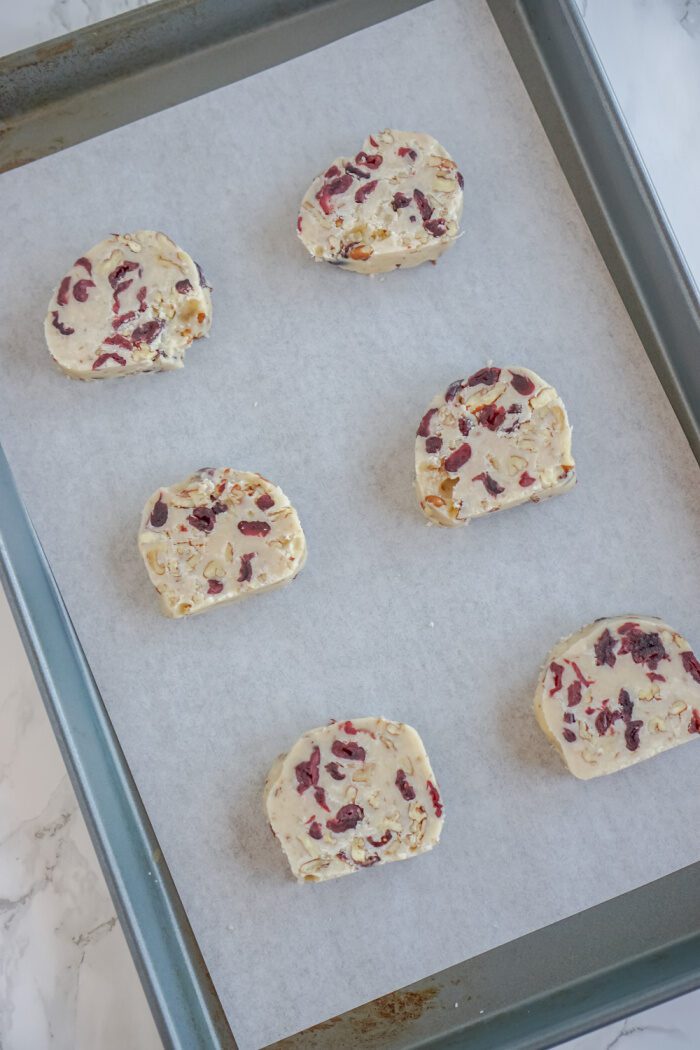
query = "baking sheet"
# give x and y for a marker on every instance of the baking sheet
(317, 378)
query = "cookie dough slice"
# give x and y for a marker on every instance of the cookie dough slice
(618, 691)
(492, 441)
(133, 303)
(396, 203)
(220, 535)
(353, 794)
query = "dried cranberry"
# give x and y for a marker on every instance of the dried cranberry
(378, 843)
(643, 648)
(573, 694)
(307, 772)
(373, 141)
(569, 717)
(464, 425)
(265, 501)
(299, 223)
(490, 484)
(332, 172)
(491, 417)
(373, 858)
(364, 191)
(63, 329)
(654, 677)
(404, 151)
(694, 724)
(246, 573)
(320, 796)
(100, 360)
(605, 719)
(423, 204)
(122, 319)
(433, 444)
(118, 340)
(85, 263)
(219, 507)
(691, 664)
(484, 377)
(403, 785)
(370, 160)
(568, 735)
(434, 798)
(515, 410)
(458, 458)
(436, 227)
(184, 286)
(604, 649)
(349, 750)
(346, 818)
(254, 528)
(81, 290)
(202, 518)
(215, 587)
(424, 426)
(522, 384)
(526, 480)
(400, 200)
(557, 671)
(453, 389)
(625, 704)
(62, 293)
(332, 189)
(315, 830)
(121, 271)
(357, 172)
(333, 770)
(117, 292)
(146, 332)
(159, 514)
(460, 180)
(632, 734)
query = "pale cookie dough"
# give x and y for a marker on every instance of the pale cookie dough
(134, 303)
(618, 691)
(500, 438)
(396, 203)
(353, 794)
(218, 536)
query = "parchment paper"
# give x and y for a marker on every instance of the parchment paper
(318, 378)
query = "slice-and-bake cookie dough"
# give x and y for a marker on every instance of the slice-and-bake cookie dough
(396, 203)
(618, 691)
(353, 794)
(133, 303)
(218, 536)
(489, 442)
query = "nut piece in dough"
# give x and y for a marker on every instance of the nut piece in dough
(492, 441)
(396, 203)
(353, 794)
(220, 535)
(618, 691)
(133, 303)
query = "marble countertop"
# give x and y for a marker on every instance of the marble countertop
(66, 977)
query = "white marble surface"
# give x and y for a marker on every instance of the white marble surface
(66, 978)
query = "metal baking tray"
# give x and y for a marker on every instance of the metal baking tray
(552, 984)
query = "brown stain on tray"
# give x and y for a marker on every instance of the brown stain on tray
(382, 1015)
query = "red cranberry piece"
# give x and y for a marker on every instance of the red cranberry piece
(254, 528)
(423, 205)
(147, 332)
(332, 172)
(183, 287)
(265, 501)
(453, 389)
(424, 427)
(632, 734)
(404, 151)
(85, 263)
(346, 818)
(433, 444)
(246, 573)
(62, 294)
(407, 792)
(357, 172)
(159, 514)
(694, 724)
(63, 329)
(436, 227)
(515, 410)
(625, 704)
(644, 648)
(219, 508)
(373, 141)
(315, 830)
(332, 189)
(215, 587)
(691, 664)
(585, 682)
(122, 319)
(81, 290)
(568, 735)
(99, 361)
(307, 772)
(654, 677)
(604, 649)
(364, 191)
(202, 518)
(121, 271)
(141, 296)
(569, 717)
(573, 694)
(373, 858)
(400, 200)
(369, 160)
(460, 180)
(491, 417)
(484, 377)
(320, 796)
(118, 340)
(522, 384)
(464, 425)
(526, 480)
(378, 843)
(299, 223)
(490, 484)
(434, 798)
(557, 671)
(349, 750)
(333, 770)
(605, 719)
(458, 458)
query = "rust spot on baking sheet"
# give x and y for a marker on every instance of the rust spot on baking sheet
(385, 1014)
